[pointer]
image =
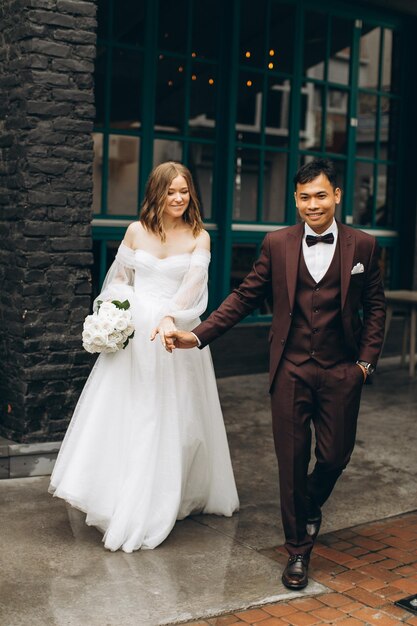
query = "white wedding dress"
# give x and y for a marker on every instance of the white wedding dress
(147, 444)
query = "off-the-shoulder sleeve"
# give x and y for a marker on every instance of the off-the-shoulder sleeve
(119, 280)
(190, 301)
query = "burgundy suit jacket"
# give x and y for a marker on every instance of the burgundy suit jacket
(275, 272)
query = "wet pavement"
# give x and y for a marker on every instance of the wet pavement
(55, 571)
(366, 569)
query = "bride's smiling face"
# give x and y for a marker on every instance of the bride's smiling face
(178, 198)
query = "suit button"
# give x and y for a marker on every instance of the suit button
(290, 314)
(282, 341)
(312, 352)
(315, 330)
(316, 310)
(316, 288)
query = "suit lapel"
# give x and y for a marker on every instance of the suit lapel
(292, 256)
(347, 251)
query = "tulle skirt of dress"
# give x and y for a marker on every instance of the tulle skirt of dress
(147, 444)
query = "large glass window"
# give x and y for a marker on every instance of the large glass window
(326, 92)
(262, 115)
(119, 90)
(377, 129)
(186, 103)
(118, 191)
(243, 93)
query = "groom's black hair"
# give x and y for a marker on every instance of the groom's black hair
(311, 170)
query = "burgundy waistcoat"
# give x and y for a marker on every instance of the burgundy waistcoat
(316, 330)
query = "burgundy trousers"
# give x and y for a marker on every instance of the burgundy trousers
(301, 396)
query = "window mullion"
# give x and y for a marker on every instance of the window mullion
(106, 129)
(265, 86)
(187, 85)
(295, 113)
(325, 94)
(225, 140)
(352, 123)
(379, 99)
(148, 95)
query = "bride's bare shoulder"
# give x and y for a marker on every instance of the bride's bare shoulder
(203, 240)
(134, 233)
(135, 228)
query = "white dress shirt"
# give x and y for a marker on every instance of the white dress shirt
(319, 256)
(198, 341)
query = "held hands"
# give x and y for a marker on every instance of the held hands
(166, 325)
(172, 338)
(181, 339)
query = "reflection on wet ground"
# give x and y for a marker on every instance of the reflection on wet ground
(56, 572)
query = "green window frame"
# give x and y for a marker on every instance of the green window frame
(231, 69)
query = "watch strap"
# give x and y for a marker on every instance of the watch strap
(368, 367)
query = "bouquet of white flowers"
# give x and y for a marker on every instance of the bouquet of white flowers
(109, 328)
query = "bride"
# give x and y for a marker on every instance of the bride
(147, 444)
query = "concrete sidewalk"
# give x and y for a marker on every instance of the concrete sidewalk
(55, 571)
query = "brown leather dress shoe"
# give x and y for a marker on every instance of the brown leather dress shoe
(295, 575)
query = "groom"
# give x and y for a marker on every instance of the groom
(322, 276)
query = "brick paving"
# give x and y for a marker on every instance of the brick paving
(365, 568)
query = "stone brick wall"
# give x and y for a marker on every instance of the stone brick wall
(47, 50)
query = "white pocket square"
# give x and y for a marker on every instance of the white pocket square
(358, 269)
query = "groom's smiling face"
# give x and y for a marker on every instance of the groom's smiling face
(316, 202)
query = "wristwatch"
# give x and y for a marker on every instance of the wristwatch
(369, 368)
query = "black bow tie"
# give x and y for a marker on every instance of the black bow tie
(311, 240)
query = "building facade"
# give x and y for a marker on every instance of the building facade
(242, 92)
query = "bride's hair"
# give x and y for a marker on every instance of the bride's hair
(156, 194)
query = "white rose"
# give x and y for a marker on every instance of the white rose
(127, 334)
(87, 336)
(100, 339)
(107, 326)
(108, 316)
(120, 324)
(89, 320)
(116, 337)
(106, 306)
(92, 348)
(111, 349)
(95, 327)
